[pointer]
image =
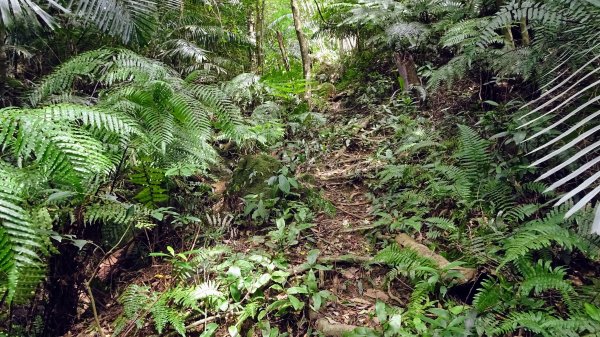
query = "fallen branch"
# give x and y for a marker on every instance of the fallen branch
(195, 324)
(408, 242)
(330, 328)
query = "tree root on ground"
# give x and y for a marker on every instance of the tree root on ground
(330, 328)
(406, 241)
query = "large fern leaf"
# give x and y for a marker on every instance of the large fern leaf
(22, 243)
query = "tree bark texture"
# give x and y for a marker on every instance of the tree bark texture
(304, 51)
(252, 35)
(526, 40)
(3, 62)
(407, 69)
(284, 56)
(259, 30)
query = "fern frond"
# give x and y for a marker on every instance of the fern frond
(499, 196)
(22, 243)
(456, 68)
(53, 138)
(473, 153)
(489, 295)
(539, 234)
(542, 276)
(126, 19)
(521, 212)
(406, 262)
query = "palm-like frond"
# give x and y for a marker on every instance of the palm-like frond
(25, 11)
(129, 20)
(569, 104)
(126, 19)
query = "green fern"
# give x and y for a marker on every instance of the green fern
(521, 212)
(491, 295)
(499, 197)
(151, 180)
(405, 262)
(168, 308)
(196, 113)
(541, 277)
(60, 139)
(543, 233)
(23, 243)
(473, 152)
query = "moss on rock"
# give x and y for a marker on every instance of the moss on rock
(252, 173)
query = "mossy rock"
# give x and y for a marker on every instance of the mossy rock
(307, 178)
(252, 173)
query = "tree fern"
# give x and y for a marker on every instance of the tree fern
(60, 140)
(126, 19)
(23, 243)
(567, 102)
(13, 12)
(65, 145)
(195, 111)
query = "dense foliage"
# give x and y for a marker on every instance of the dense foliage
(186, 167)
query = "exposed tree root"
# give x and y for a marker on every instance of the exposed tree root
(330, 328)
(408, 242)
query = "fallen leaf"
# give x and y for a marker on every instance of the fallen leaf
(350, 273)
(360, 300)
(376, 294)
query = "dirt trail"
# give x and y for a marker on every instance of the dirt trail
(355, 285)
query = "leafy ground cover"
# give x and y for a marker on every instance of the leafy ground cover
(284, 168)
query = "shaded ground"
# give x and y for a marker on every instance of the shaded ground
(356, 286)
(340, 174)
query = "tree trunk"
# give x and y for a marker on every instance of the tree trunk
(407, 69)
(304, 52)
(284, 56)
(259, 29)
(508, 35)
(525, 39)
(524, 32)
(252, 36)
(3, 63)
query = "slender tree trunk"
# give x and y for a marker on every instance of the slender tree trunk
(284, 56)
(525, 39)
(508, 35)
(304, 51)
(259, 29)
(3, 63)
(407, 69)
(252, 36)
(524, 32)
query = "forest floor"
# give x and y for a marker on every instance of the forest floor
(341, 174)
(355, 286)
(341, 238)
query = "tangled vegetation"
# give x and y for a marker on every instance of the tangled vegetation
(273, 168)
